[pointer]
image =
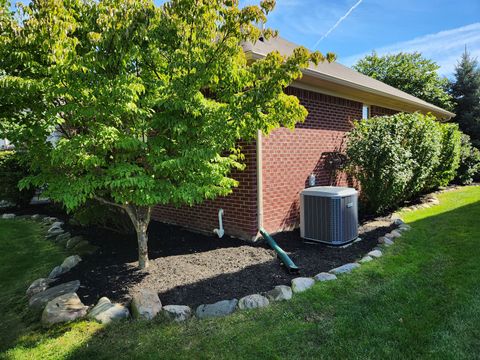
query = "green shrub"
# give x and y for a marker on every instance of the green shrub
(422, 142)
(395, 158)
(450, 153)
(104, 216)
(12, 170)
(469, 169)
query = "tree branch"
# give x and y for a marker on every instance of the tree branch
(102, 200)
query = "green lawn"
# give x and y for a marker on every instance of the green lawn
(420, 301)
(25, 255)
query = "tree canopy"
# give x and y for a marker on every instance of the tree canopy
(465, 89)
(409, 72)
(150, 102)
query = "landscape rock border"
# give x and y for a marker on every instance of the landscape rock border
(62, 304)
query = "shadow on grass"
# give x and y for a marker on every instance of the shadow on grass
(404, 304)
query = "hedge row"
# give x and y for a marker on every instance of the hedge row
(395, 158)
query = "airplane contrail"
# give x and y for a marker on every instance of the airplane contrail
(338, 22)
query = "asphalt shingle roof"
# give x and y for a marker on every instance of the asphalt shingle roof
(339, 73)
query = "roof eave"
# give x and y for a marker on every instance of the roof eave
(340, 81)
(252, 55)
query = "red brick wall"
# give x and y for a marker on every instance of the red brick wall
(240, 208)
(289, 157)
(380, 111)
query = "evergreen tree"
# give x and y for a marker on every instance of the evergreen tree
(466, 91)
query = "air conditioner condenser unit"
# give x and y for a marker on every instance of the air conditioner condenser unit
(329, 214)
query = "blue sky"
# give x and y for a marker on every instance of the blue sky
(439, 29)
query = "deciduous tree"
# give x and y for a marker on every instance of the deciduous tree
(409, 72)
(150, 102)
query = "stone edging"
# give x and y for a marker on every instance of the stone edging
(61, 303)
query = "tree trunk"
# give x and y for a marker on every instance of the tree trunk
(140, 216)
(142, 239)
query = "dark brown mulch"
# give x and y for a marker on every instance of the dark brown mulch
(191, 269)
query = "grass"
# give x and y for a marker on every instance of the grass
(422, 300)
(25, 255)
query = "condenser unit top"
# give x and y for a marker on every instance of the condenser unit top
(329, 191)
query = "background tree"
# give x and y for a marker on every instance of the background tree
(150, 101)
(466, 92)
(409, 72)
(469, 169)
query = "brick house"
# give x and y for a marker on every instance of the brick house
(278, 166)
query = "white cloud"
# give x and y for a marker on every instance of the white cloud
(444, 47)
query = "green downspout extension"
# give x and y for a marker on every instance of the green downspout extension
(292, 268)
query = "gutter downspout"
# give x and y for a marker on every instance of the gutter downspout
(220, 231)
(259, 185)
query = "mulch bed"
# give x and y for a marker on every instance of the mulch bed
(187, 268)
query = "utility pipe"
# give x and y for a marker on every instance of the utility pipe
(292, 268)
(220, 232)
(259, 182)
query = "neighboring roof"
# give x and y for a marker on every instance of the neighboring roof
(344, 76)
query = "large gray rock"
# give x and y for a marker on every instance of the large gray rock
(22, 217)
(39, 300)
(62, 237)
(388, 242)
(70, 262)
(252, 302)
(106, 312)
(36, 217)
(279, 293)
(54, 233)
(38, 286)
(81, 244)
(218, 309)
(395, 234)
(301, 284)
(324, 276)
(345, 268)
(6, 204)
(398, 222)
(365, 259)
(85, 248)
(146, 304)
(8, 216)
(74, 241)
(375, 253)
(56, 272)
(392, 235)
(403, 228)
(56, 225)
(49, 220)
(64, 308)
(102, 305)
(385, 241)
(177, 313)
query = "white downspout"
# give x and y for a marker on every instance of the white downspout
(259, 182)
(220, 232)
